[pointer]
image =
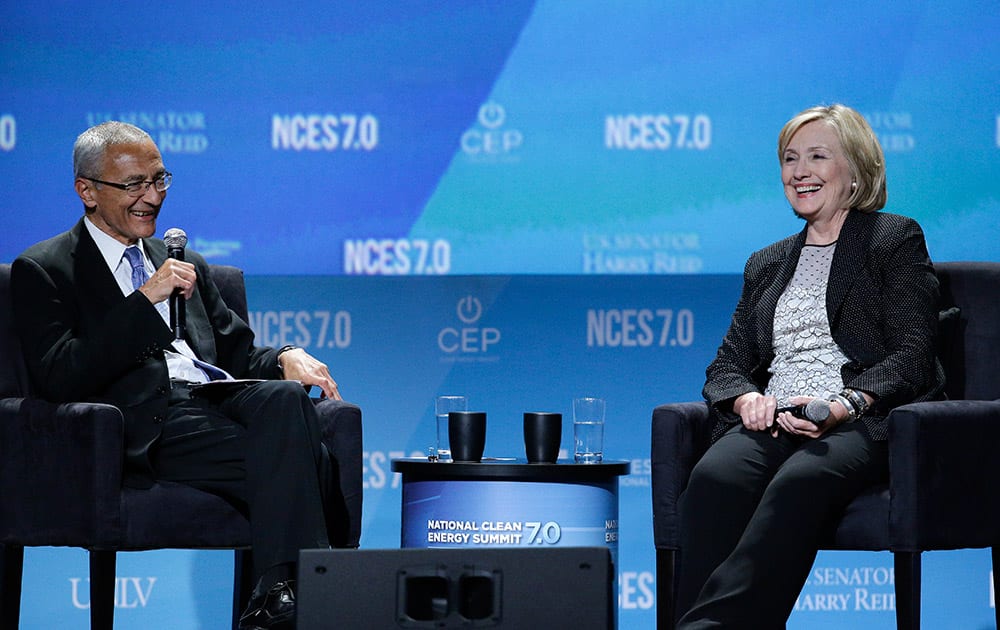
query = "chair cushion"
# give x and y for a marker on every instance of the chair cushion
(172, 515)
(865, 525)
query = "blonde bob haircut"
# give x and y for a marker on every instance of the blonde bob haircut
(861, 149)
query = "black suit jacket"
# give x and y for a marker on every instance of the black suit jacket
(882, 304)
(84, 341)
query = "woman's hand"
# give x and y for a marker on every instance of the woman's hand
(794, 425)
(756, 410)
(807, 428)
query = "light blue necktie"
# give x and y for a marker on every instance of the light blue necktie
(139, 275)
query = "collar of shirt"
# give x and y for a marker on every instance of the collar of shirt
(113, 251)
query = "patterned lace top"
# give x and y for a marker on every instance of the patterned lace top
(807, 360)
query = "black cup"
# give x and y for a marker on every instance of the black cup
(467, 435)
(542, 435)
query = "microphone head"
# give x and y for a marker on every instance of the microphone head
(175, 238)
(817, 411)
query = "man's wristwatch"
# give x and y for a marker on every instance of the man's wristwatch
(281, 351)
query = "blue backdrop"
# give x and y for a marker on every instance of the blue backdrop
(498, 136)
(486, 160)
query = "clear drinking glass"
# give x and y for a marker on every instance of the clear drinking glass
(442, 406)
(588, 430)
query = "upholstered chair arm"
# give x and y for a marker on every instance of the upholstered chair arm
(944, 467)
(61, 465)
(340, 426)
(680, 436)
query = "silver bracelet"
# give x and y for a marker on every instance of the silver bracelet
(846, 404)
(857, 399)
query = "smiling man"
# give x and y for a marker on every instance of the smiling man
(90, 308)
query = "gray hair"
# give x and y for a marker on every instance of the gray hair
(89, 148)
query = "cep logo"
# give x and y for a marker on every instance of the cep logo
(467, 338)
(491, 115)
(489, 140)
(469, 309)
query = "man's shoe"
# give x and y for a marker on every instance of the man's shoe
(272, 610)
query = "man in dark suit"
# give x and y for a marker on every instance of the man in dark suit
(90, 307)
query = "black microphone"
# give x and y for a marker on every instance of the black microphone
(176, 240)
(816, 411)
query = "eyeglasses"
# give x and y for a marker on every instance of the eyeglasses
(138, 189)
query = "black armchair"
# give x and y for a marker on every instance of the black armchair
(942, 457)
(61, 482)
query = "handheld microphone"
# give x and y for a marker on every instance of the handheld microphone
(816, 411)
(176, 240)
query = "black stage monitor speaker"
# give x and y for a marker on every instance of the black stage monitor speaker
(515, 589)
